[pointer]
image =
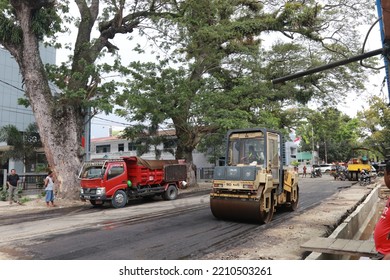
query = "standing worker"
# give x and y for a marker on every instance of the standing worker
(382, 233)
(304, 171)
(12, 182)
(49, 188)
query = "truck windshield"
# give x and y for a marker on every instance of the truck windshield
(246, 151)
(90, 171)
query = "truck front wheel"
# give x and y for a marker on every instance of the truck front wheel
(170, 193)
(119, 199)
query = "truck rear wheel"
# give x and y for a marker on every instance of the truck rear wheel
(170, 193)
(119, 199)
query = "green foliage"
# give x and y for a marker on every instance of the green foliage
(295, 163)
(223, 82)
(375, 123)
(24, 199)
(11, 135)
(3, 195)
(213, 145)
(46, 21)
(324, 87)
(41, 168)
(10, 32)
(24, 144)
(147, 137)
(335, 134)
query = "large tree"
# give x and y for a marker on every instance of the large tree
(218, 77)
(216, 35)
(61, 117)
(375, 127)
(331, 133)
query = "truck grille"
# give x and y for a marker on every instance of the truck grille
(89, 191)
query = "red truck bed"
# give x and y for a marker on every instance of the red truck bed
(151, 172)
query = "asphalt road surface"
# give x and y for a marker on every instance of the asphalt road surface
(154, 230)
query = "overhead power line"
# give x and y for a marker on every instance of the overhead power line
(112, 121)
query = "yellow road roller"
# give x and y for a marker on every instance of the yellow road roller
(253, 183)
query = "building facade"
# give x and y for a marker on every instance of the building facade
(115, 147)
(11, 89)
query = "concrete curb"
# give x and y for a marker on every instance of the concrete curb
(354, 225)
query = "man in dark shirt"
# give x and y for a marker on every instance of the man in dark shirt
(12, 182)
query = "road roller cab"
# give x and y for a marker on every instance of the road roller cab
(253, 184)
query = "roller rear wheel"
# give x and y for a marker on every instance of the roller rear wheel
(264, 216)
(294, 204)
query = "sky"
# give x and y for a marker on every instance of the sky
(375, 84)
(102, 123)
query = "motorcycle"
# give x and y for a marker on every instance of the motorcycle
(341, 175)
(315, 173)
(365, 178)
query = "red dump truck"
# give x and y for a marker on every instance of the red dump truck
(119, 180)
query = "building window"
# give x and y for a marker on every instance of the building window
(132, 147)
(103, 149)
(121, 147)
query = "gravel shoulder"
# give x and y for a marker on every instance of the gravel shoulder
(282, 241)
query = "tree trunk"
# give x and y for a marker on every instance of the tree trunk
(184, 151)
(191, 174)
(60, 125)
(191, 170)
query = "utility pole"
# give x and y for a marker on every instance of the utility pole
(326, 153)
(87, 135)
(312, 142)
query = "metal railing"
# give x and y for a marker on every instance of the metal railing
(30, 181)
(27, 181)
(205, 173)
